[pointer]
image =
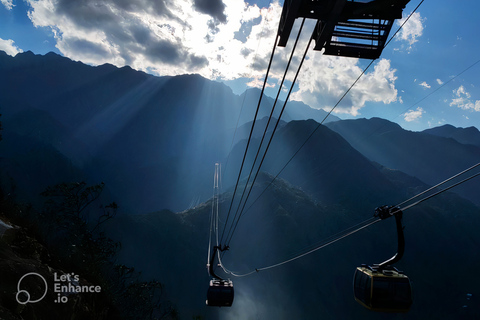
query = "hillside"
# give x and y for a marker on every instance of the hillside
(327, 167)
(469, 135)
(21, 254)
(428, 157)
(440, 235)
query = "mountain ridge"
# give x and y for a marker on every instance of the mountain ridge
(99, 108)
(128, 126)
(469, 135)
(430, 158)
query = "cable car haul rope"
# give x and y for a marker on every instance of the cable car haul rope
(341, 30)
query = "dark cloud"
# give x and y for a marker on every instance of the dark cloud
(141, 34)
(134, 5)
(170, 53)
(214, 8)
(209, 38)
(94, 14)
(111, 29)
(245, 52)
(213, 26)
(164, 51)
(197, 62)
(87, 47)
(213, 29)
(87, 14)
(131, 35)
(127, 5)
(261, 64)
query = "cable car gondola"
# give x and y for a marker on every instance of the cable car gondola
(220, 291)
(382, 287)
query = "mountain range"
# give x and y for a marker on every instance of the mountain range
(154, 142)
(112, 119)
(469, 135)
(430, 157)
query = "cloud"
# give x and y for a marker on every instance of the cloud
(425, 85)
(462, 100)
(413, 115)
(412, 30)
(214, 8)
(220, 40)
(324, 79)
(258, 83)
(9, 47)
(440, 82)
(8, 4)
(166, 37)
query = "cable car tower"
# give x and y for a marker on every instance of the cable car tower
(349, 28)
(220, 291)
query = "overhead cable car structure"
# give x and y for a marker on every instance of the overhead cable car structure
(348, 28)
(382, 287)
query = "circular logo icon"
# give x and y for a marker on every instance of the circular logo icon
(23, 296)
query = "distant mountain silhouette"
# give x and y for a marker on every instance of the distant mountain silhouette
(29, 165)
(142, 134)
(295, 110)
(428, 157)
(126, 126)
(327, 167)
(469, 135)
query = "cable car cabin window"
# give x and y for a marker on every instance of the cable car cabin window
(362, 286)
(220, 293)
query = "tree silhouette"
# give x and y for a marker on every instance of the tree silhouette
(79, 240)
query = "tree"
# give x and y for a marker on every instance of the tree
(140, 299)
(71, 199)
(80, 241)
(71, 231)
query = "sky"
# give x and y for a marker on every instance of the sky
(425, 77)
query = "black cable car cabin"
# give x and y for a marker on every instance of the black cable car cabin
(382, 287)
(220, 293)
(349, 28)
(384, 290)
